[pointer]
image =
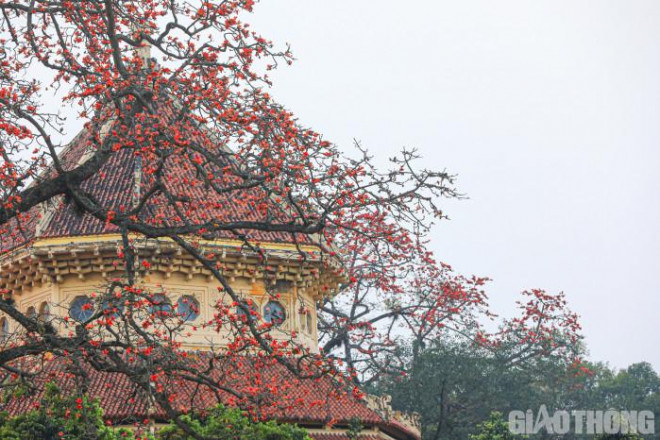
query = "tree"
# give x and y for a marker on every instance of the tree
(223, 423)
(80, 418)
(633, 388)
(454, 385)
(176, 93)
(401, 300)
(619, 437)
(495, 428)
(61, 418)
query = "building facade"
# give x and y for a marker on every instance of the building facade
(56, 262)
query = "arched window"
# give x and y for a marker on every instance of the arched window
(44, 312)
(310, 323)
(301, 319)
(251, 306)
(187, 308)
(81, 308)
(161, 305)
(4, 329)
(274, 313)
(305, 319)
(31, 312)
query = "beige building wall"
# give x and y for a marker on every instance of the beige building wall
(55, 297)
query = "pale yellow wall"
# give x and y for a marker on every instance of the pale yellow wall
(35, 298)
(205, 291)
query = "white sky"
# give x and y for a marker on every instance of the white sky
(547, 110)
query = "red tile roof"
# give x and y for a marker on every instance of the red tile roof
(279, 395)
(341, 436)
(113, 187)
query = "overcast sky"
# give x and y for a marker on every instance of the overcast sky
(548, 111)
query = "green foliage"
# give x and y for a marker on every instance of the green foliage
(61, 418)
(495, 428)
(619, 437)
(636, 387)
(230, 424)
(454, 387)
(354, 428)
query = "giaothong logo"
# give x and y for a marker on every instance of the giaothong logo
(582, 422)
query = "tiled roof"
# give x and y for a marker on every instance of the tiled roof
(113, 187)
(308, 402)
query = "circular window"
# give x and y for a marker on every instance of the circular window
(310, 329)
(160, 305)
(241, 310)
(81, 308)
(274, 313)
(188, 308)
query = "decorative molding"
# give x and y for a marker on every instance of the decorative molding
(43, 264)
(382, 406)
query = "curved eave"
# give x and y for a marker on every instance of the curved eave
(393, 429)
(29, 264)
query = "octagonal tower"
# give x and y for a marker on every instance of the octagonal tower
(55, 259)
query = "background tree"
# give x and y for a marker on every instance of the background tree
(495, 428)
(402, 299)
(454, 387)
